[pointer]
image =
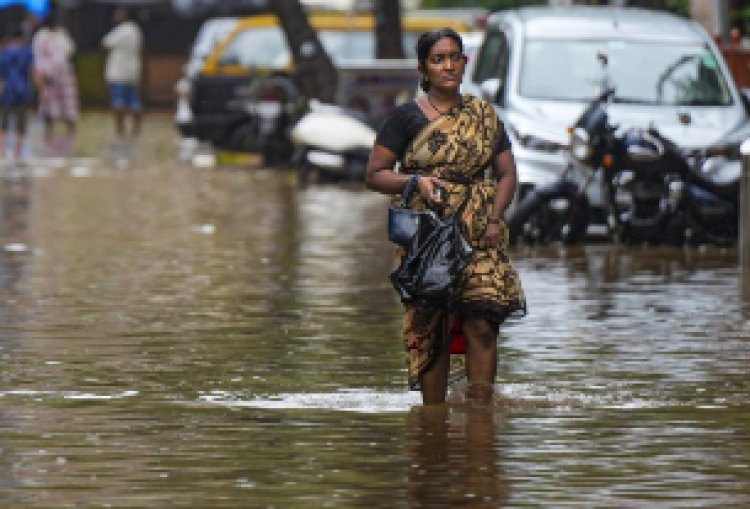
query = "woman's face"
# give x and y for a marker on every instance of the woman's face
(445, 64)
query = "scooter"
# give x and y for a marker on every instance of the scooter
(332, 143)
(268, 108)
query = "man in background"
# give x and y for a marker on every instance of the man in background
(123, 71)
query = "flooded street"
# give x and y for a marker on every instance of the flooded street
(175, 336)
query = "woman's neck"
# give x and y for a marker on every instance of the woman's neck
(443, 100)
(444, 96)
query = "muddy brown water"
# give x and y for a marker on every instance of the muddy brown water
(174, 336)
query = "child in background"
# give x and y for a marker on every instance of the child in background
(15, 70)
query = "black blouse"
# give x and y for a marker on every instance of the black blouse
(403, 125)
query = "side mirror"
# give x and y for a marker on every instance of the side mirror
(490, 90)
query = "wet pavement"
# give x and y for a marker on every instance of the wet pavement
(173, 336)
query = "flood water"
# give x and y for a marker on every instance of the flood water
(173, 336)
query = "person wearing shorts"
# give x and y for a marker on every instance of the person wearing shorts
(15, 70)
(123, 71)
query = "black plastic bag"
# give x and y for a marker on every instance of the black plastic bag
(430, 274)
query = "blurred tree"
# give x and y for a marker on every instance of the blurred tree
(492, 5)
(676, 6)
(313, 67)
(388, 29)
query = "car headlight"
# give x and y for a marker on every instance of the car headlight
(533, 142)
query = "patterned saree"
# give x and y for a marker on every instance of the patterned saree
(457, 147)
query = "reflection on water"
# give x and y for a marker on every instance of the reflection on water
(181, 337)
(454, 457)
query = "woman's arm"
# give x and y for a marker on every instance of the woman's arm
(381, 178)
(504, 167)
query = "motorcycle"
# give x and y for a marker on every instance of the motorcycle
(332, 143)
(653, 190)
(269, 107)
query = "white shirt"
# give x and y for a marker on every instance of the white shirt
(53, 48)
(124, 43)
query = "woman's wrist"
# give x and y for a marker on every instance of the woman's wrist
(411, 184)
(493, 220)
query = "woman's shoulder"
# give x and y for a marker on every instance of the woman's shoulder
(403, 117)
(478, 103)
(405, 110)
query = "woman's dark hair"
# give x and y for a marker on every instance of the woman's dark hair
(425, 43)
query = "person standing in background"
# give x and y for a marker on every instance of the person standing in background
(55, 78)
(123, 71)
(15, 70)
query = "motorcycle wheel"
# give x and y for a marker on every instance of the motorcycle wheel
(561, 218)
(717, 233)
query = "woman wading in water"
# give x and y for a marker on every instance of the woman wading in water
(445, 141)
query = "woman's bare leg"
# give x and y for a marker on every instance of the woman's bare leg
(435, 380)
(481, 357)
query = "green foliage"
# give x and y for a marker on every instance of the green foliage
(492, 5)
(681, 7)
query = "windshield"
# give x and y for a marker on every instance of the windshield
(267, 47)
(641, 72)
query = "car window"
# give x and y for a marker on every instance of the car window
(211, 33)
(267, 47)
(257, 47)
(488, 61)
(642, 72)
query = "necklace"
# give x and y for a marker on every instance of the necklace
(435, 107)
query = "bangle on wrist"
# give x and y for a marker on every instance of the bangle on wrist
(493, 220)
(413, 183)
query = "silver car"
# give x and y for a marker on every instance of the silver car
(539, 66)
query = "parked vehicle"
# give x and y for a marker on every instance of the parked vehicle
(333, 141)
(271, 105)
(211, 33)
(538, 66)
(332, 144)
(257, 48)
(653, 190)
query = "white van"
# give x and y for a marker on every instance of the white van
(539, 66)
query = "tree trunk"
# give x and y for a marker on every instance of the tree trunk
(388, 29)
(314, 69)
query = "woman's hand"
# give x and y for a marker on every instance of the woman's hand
(428, 186)
(491, 237)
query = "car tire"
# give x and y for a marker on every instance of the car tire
(543, 223)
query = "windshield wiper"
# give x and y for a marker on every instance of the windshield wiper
(699, 102)
(630, 100)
